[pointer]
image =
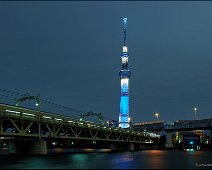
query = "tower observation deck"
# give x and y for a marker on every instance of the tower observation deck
(124, 74)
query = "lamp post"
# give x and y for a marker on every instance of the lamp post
(157, 114)
(195, 113)
(129, 121)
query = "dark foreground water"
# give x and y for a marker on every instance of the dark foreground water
(148, 159)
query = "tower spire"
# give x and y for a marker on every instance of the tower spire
(125, 30)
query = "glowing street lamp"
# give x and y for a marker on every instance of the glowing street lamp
(157, 115)
(195, 112)
(129, 121)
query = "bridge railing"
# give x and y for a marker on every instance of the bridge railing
(43, 117)
(148, 123)
(23, 113)
(193, 123)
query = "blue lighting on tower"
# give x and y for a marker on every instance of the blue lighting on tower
(124, 75)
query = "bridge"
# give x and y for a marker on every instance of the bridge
(33, 128)
(179, 125)
(169, 127)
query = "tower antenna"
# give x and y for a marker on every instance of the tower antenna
(125, 30)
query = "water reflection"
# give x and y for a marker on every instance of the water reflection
(154, 159)
(151, 159)
(80, 161)
(122, 160)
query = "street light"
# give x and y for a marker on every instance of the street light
(157, 114)
(195, 112)
(129, 121)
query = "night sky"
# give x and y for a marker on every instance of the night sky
(70, 53)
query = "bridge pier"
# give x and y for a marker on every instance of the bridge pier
(38, 146)
(148, 147)
(169, 143)
(122, 146)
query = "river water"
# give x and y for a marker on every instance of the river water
(101, 159)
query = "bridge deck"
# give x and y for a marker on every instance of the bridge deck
(17, 121)
(182, 125)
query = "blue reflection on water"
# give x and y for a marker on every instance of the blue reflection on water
(151, 159)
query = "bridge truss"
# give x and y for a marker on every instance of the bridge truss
(22, 122)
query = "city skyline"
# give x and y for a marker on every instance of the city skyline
(69, 53)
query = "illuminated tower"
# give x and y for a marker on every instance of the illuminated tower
(124, 74)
